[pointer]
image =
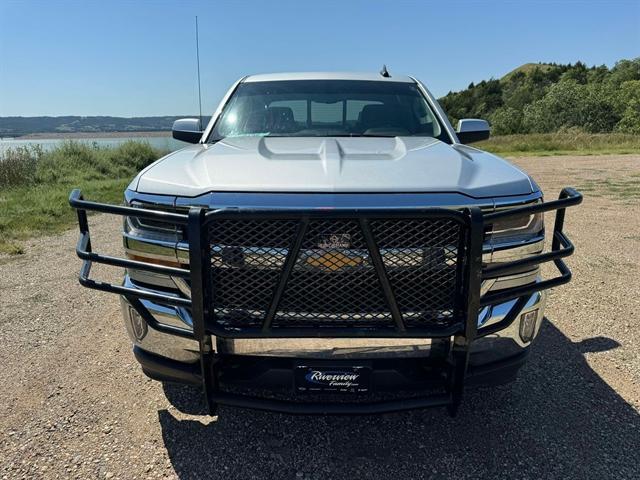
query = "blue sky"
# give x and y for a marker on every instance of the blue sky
(130, 58)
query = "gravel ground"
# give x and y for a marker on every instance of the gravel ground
(74, 404)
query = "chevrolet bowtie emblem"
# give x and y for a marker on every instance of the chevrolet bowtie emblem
(333, 261)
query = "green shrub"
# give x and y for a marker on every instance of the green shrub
(18, 166)
(506, 120)
(133, 156)
(74, 161)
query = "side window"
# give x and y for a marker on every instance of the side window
(326, 113)
(354, 108)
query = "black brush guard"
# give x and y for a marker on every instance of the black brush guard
(465, 274)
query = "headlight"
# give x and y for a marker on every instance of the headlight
(516, 229)
(153, 229)
(151, 241)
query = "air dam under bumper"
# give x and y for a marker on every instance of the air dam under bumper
(250, 374)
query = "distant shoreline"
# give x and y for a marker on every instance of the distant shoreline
(81, 135)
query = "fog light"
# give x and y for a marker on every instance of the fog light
(528, 325)
(138, 325)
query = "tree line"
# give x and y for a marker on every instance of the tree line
(544, 98)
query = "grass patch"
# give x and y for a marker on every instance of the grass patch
(11, 248)
(35, 185)
(626, 188)
(562, 143)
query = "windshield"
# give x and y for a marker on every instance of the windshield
(326, 108)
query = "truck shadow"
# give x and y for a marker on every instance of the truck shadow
(559, 420)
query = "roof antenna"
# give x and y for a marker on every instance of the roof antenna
(198, 62)
(384, 72)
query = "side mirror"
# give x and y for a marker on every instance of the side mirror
(187, 130)
(472, 130)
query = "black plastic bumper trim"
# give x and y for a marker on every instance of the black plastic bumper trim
(327, 408)
(497, 372)
(165, 369)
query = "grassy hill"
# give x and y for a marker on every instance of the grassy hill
(527, 68)
(548, 97)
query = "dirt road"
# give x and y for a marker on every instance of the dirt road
(74, 404)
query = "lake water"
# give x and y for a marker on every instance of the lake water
(163, 143)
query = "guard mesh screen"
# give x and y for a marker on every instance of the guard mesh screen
(333, 281)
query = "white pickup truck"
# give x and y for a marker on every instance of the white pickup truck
(331, 242)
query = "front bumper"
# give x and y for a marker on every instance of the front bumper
(173, 358)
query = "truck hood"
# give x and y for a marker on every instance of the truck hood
(334, 165)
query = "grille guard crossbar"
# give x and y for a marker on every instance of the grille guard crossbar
(468, 300)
